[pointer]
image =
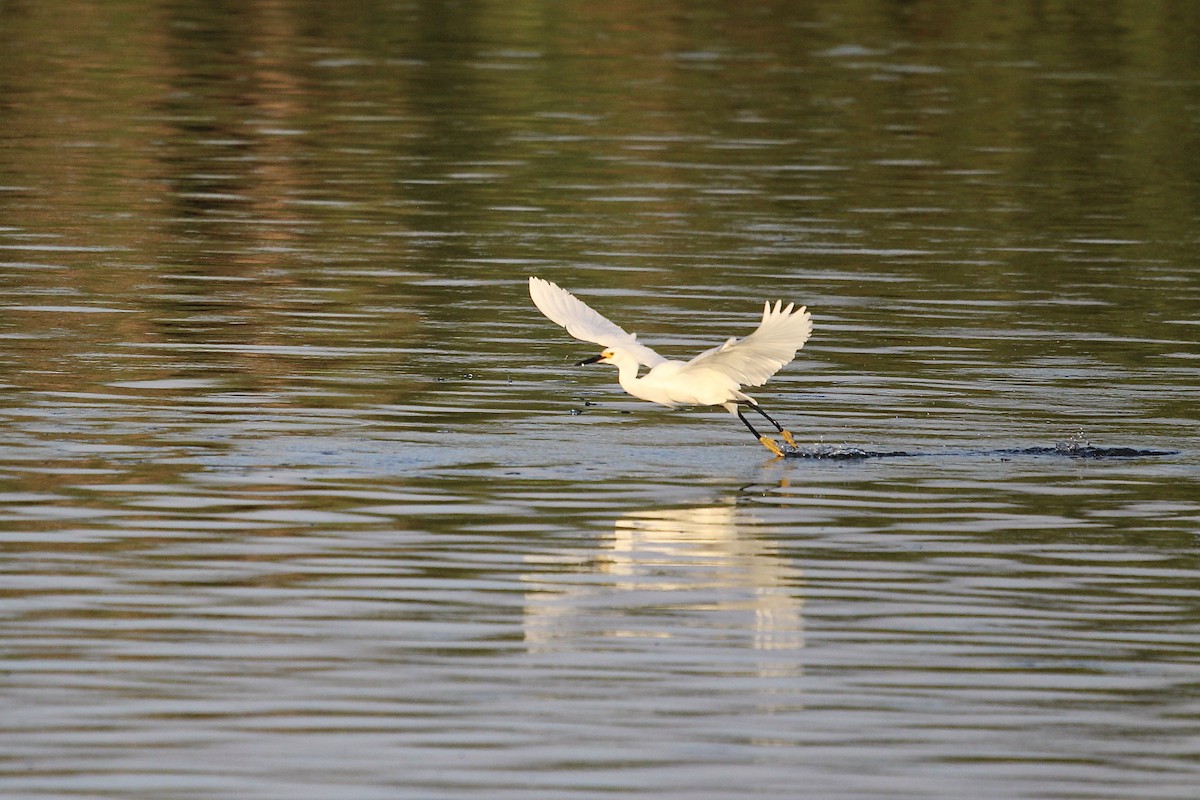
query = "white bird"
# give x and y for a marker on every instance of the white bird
(713, 378)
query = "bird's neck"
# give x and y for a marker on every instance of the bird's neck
(627, 375)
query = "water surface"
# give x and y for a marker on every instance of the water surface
(300, 497)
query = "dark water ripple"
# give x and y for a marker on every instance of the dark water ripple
(1063, 449)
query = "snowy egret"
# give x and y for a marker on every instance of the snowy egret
(713, 378)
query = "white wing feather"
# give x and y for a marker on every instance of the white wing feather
(753, 360)
(585, 324)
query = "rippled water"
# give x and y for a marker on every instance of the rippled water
(300, 497)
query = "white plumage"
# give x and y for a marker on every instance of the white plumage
(715, 377)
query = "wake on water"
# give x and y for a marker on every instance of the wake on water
(1074, 448)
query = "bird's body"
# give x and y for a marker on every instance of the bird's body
(675, 383)
(713, 378)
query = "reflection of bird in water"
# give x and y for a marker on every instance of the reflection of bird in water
(702, 572)
(713, 378)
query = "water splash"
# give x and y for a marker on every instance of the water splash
(827, 452)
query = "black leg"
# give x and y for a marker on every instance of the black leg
(765, 416)
(757, 435)
(787, 436)
(766, 441)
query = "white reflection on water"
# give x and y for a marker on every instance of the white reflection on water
(703, 572)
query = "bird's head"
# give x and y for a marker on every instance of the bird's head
(604, 358)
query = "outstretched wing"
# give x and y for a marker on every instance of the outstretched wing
(753, 360)
(583, 323)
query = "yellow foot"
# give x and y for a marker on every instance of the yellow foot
(787, 437)
(770, 444)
